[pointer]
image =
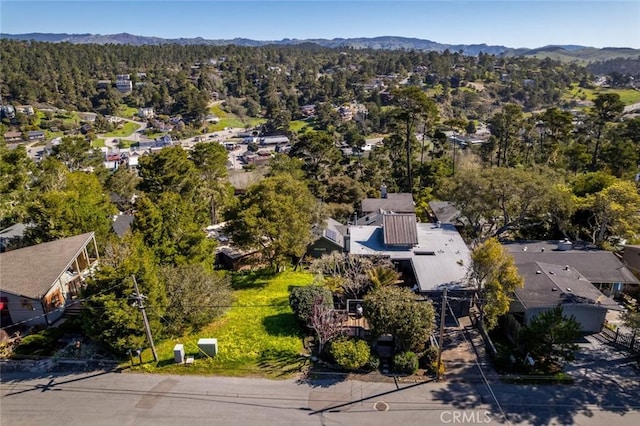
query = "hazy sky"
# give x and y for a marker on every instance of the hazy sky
(514, 23)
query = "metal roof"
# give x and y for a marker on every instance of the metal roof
(31, 271)
(400, 229)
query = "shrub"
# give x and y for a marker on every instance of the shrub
(302, 299)
(374, 362)
(405, 363)
(44, 343)
(428, 357)
(350, 354)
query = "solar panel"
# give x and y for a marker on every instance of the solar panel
(331, 234)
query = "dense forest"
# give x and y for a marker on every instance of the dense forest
(552, 165)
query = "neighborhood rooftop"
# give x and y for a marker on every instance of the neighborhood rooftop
(30, 271)
(598, 266)
(548, 285)
(393, 202)
(439, 259)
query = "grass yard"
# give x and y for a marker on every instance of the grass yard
(258, 336)
(627, 96)
(97, 143)
(127, 111)
(301, 126)
(126, 129)
(233, 121)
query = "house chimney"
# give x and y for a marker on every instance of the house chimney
(383, 191)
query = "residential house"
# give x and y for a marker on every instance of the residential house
(25, 109)
(146, 113)
(211, 118)
(10, 137)
(88, 117)
(7, 111)
(446, 212)
(429, 256)
(547, 286)
(389, 202)
(233, 259)
(103, 84)
(600, 267)
(39, 282)
(124, 86)
(329, 238)
(35, 135)
(308, 110)
(86, 128)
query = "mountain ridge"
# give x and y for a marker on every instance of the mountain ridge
(565, 52)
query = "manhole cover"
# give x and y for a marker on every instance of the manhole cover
(381, 406)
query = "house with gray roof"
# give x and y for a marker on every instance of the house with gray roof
(329, 238)
(389, 202)
(547, 286)
(429, 256)
(39, 282)
(600, 267)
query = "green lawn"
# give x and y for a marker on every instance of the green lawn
(97, 143)
(258, 336)
(627, 96)
(301, 126)
(232, 121)
(126, 129)
(127, 111)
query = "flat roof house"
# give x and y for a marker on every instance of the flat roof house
(40, 281)
(436, 255)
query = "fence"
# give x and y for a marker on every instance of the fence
(625, 340)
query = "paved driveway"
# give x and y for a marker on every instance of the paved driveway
(598, 361)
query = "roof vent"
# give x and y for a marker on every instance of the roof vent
(566, 267)
(565, 245)
(542, 250)
(524, 248)
(538, 272)
(554, 289)
(569, 289)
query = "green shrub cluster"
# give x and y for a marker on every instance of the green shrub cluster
(405, 363)
(351, 354)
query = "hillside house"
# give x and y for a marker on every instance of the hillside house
(35, 135)
(39, 282)
(11, 137)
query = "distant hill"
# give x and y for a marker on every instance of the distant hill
(560, 52)
(576, 53)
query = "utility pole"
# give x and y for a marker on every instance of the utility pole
(140, 304)
(441, 339)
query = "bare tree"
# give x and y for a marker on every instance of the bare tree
(328, 323)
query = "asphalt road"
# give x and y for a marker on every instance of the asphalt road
(139, 399)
